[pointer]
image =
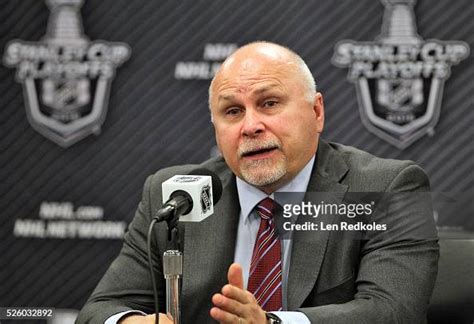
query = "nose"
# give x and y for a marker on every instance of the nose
(252, 124)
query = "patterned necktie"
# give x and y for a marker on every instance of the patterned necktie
(265, 267)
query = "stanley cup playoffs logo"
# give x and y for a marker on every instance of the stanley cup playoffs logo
(399, 78)
(66, 78)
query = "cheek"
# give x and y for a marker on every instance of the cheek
(286, 129)
(228, 142)
(296, 133)
(226, 139)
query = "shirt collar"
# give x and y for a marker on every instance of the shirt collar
(250, 196)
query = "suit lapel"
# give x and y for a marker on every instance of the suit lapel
(308, 247)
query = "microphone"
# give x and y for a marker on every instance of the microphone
(191, 197)
(188, 198)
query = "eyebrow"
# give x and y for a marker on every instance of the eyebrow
(225, 97)
(263, 89)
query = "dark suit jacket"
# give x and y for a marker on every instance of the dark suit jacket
(381, 278)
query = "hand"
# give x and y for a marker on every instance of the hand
(141, 319)
(235, 304)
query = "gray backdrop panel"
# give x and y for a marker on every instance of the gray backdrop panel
(155, 120)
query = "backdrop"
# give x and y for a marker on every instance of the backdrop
(96, 97)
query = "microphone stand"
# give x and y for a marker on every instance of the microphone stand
(172, 264)
(173, 271)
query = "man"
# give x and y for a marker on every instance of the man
(268, 118)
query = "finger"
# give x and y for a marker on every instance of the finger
(164, 319)
(223, 317)
(240, 295)
(229, 305)
(234, 275)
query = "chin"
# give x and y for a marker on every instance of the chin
(263, 178)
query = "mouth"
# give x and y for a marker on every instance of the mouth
(260, 153)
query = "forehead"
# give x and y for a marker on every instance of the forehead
(255, 76)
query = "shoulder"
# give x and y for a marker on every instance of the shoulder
(369, 172)
(364, 161)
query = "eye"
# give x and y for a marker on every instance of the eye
(270, 103)
(233, 111)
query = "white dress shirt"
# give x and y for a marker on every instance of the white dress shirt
(247, 230)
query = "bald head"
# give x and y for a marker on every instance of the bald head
(251, 56)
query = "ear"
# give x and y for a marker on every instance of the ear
(319, 111)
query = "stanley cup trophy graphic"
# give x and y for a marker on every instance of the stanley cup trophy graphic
(399, 77)
(66, 77)
(64, 96)
(65, 23)
(399, 25)
(400, 96)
